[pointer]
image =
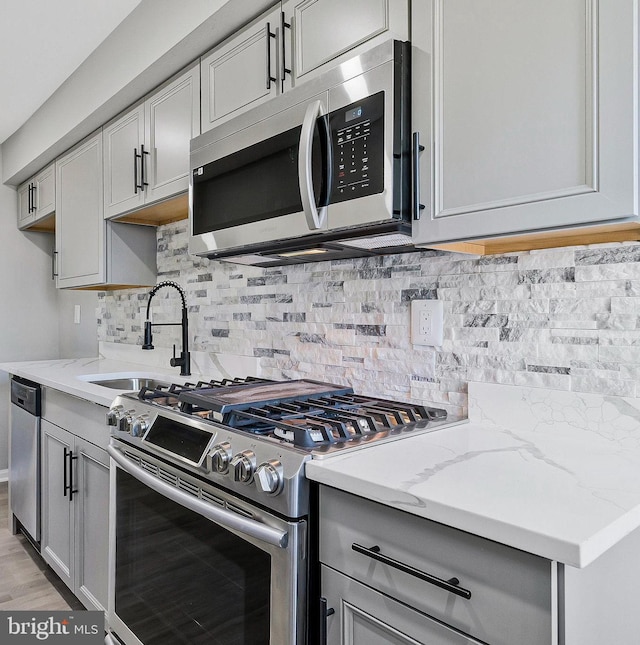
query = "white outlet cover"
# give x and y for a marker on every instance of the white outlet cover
(427, 322)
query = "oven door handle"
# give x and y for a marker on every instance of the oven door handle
(315, 217)
(220, 516)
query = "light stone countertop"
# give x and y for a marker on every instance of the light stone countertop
(72, 375)
(550, 472)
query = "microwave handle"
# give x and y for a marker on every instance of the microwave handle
(316, 217)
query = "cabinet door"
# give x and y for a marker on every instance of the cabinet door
(241, 73)
(527, 110)
(122, 141)
(45, 192)
(92, 525)
(172, 119)
(79, 207)
(25, 215)
(322, 30)
(365, 617)
(57, 510)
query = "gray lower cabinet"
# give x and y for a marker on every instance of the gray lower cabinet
(367, 617)
(75, 512)
(503, 596)
(527, 111)
(379, 566)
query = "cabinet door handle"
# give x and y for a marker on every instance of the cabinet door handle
(29, 199)
(451, 585)
(34, 197)
(143, 152)
(284, 25)
(416, 150)
(68, 473)
(54, 265)
(138, 186)
(325, 612)
(65, 472)
(270, 35)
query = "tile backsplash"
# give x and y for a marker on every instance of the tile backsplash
(561, 318)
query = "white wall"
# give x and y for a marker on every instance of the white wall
(77, 340)
(28, 300)
(157, 39)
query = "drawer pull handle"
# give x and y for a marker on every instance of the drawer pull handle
(451, 585)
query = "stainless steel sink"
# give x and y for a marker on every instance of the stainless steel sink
(129, 384)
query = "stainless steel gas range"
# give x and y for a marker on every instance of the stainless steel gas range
(211, 530)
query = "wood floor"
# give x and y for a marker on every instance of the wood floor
(26, 582)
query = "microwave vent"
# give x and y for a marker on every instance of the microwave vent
(378, 241)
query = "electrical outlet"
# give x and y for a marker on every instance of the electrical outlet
(427, 322)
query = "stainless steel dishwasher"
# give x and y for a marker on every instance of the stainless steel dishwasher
(24, 464)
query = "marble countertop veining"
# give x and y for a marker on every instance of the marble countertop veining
(550, 472)
(117, 360)
(70, 375)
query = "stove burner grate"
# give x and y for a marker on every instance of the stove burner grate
(332, 419)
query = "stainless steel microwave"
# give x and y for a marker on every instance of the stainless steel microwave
(322, 171)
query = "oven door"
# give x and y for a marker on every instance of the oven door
(191, 564)
(268, 181)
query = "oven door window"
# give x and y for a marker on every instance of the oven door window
(181, 578)
(257, 183)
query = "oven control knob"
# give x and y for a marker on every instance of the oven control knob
(126, 421)
(220, 457)
(113, 415)
(243, 465)
(140, 425)
(270, 477)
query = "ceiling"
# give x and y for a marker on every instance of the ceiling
(41, 43)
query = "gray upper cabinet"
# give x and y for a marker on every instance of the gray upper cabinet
(79, 206)
(243, 71)
(289, 45)
(37, 200)
(123, 146)
(171, 120)
(91, 252)
(146, 150)
(25, 213)
(527, 112)
(322, 30)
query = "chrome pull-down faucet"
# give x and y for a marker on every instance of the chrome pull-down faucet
(184, 362)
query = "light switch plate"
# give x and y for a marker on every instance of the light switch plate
(427, 322)
(76, 314)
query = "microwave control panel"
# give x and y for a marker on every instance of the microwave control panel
(357, 133)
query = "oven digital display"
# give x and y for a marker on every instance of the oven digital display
(184, 441)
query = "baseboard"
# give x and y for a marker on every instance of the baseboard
(4, 475)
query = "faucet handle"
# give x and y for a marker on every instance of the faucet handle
(175, 362)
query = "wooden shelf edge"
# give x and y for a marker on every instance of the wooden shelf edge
(628, 232)
(171, 210)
